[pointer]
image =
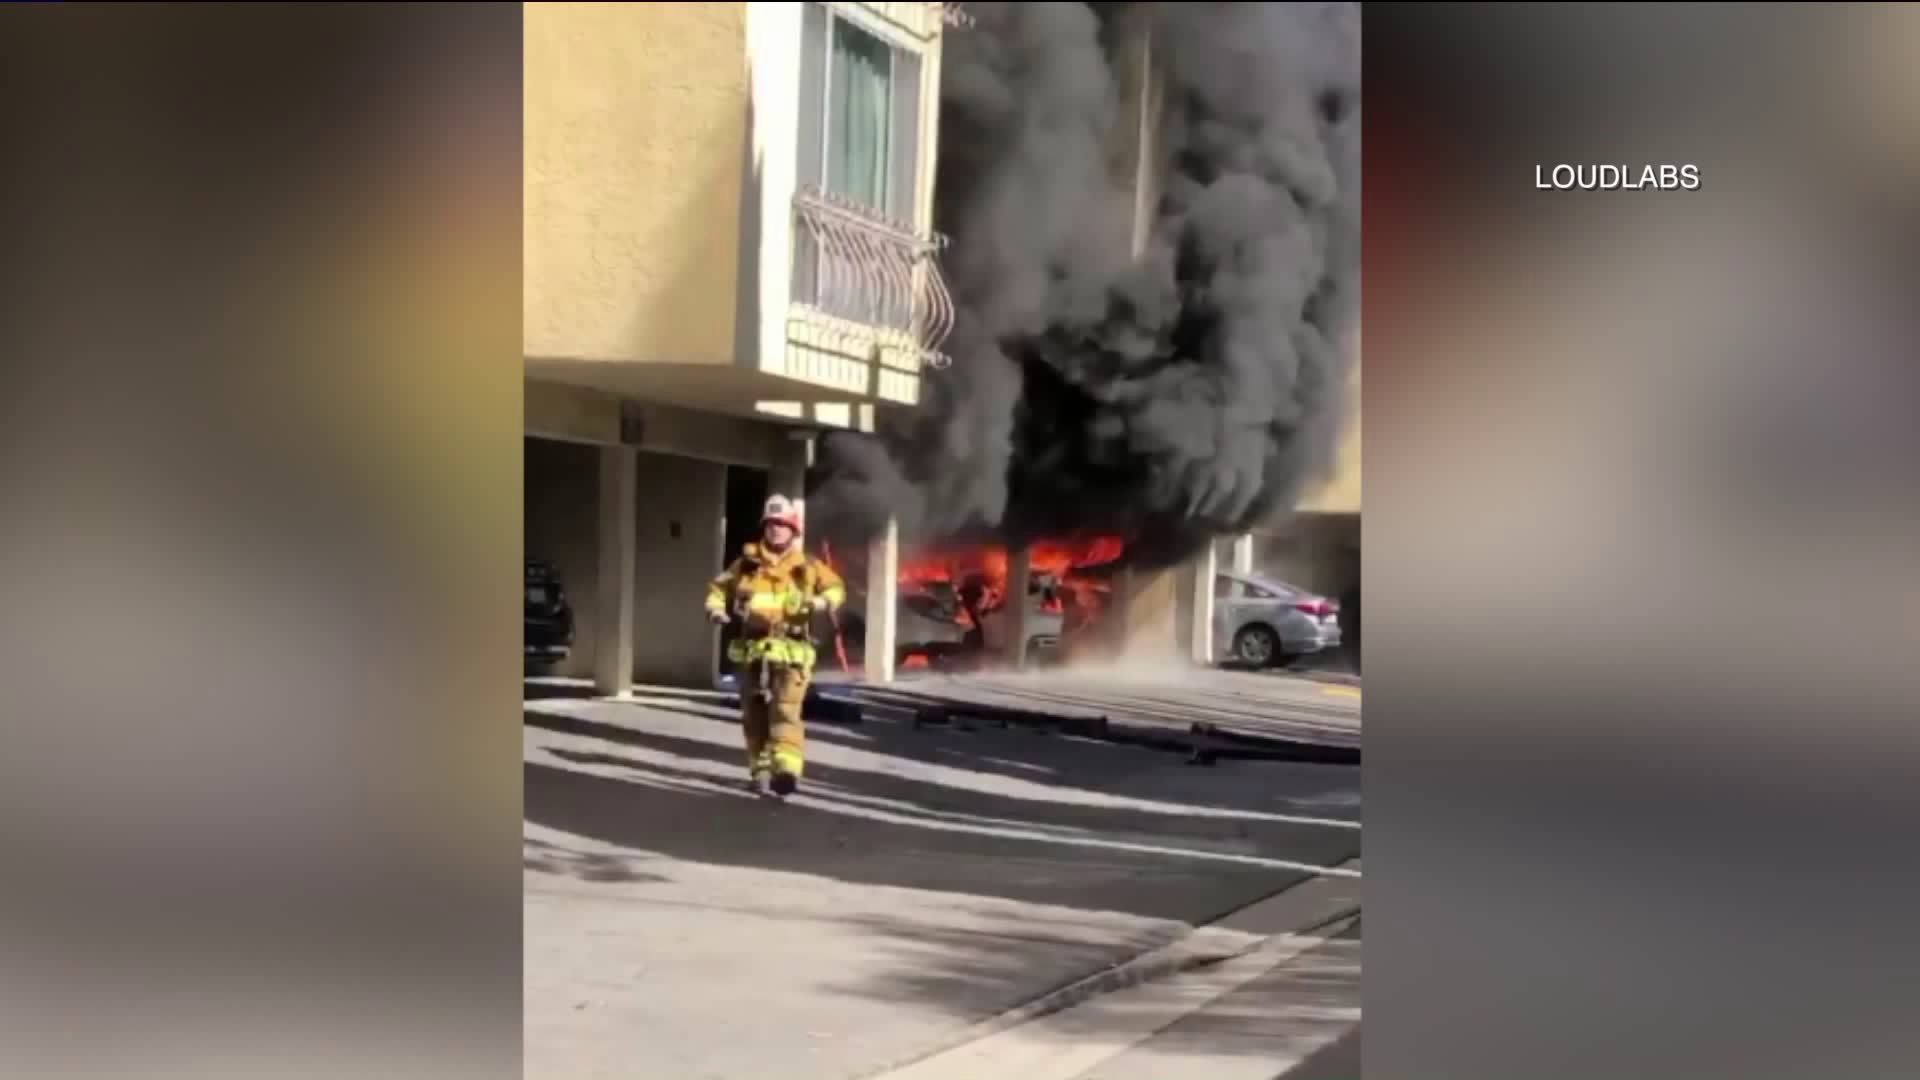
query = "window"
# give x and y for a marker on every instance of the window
(859, 115)
(859, 141)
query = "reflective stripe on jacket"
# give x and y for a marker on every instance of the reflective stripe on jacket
(773, 596)
(795, 652)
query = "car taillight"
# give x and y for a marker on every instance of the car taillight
(1319, 609)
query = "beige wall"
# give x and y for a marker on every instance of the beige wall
(554, 411)
(636, 137)
(661, 154)
(1320, 552)
(682, 506)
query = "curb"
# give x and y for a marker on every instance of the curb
(1180, 955)
(1334, 678)
(1086, 1039)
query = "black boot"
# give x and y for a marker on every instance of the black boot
(785, 784)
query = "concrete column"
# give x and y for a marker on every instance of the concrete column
(1200, 633)
(619, 545)
(1146, 178)
(883, 588)
(1243, 553)
(1148, 626)
(1019, 580)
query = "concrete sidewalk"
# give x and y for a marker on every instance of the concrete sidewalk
(1249, 1016)
(1297, 1020)
(924, 881)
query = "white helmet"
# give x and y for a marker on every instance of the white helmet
(781, 509)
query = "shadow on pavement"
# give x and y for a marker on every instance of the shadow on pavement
(824, 795)
(545, 858)
(1281, 1020)
(1035, 860)
(826, 725)
(872, 783)
(1338, 1060)
(1025, 757)
(556, 690)
(688, 814)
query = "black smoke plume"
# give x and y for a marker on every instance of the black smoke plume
(1191, 390)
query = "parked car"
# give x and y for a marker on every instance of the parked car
(1261, 622)
(549, 633)
(927, 624)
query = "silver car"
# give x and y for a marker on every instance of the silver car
(1261, 622)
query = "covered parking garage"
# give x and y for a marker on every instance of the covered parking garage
(629, 504)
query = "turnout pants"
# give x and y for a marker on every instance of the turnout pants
(770, 705)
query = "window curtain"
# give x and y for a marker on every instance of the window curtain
(861, 124)
(905, 132)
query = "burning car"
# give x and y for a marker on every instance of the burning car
(953, 606)
(932, 624)
(1046, 621)
(939, 623)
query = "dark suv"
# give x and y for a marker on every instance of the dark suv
(549, 635)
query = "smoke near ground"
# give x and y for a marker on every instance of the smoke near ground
(1188, 392)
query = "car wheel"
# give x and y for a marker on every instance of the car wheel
(1258, 646)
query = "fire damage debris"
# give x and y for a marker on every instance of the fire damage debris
(955, 610)
(1164, 399)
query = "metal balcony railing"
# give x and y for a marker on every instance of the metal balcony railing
(857, 266)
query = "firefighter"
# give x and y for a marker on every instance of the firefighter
(773, 591)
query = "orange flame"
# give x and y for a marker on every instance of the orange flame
(981, 571)
(987, 568)
(990, 564)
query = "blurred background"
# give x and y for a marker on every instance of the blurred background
(261, 467)
(1640, 523)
